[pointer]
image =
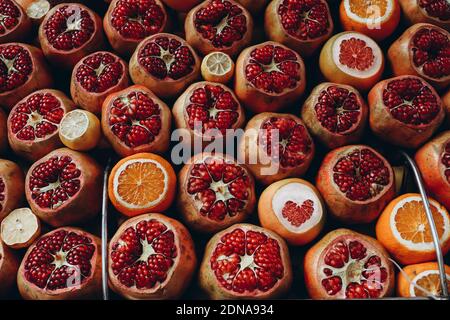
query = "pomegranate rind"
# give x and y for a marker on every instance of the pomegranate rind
(9, 264)
(315, 256)
(90, 288)
(14, 180)
(21, 30)
(180, 273)
(275, 31)
(413, 273)
(3, 132)
(35, 149)
(446, 102)
(414, 14)
(272, 220)
(210, 284)
(393, 131)
(330, 139)
(188, 206)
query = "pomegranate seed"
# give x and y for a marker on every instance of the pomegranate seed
(2, 194)
(446, 160)
(298, 214)
(15, 66)
(9, 16)
(436, 8)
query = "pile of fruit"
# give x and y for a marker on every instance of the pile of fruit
(311, 200)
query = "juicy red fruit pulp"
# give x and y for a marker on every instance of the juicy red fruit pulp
(144, 254)
(247, 261)
(298, 214)
(356, 54)
(9, 16)
(2, 193)
(436, 8)
(15, 66)
(446, 160)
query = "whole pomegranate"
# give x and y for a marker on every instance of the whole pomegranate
(348, 265)
(269, 76)
(134, 120)
(422, 50)
(405, 111)
(182, 6)
(151, 256)
(215, 192)
(246, 262)
(356, 183)
(9, 264)
(276, 146)
(303, 25)
(14, 23)
(433, 160)
(69, 32)
(128, 22)
(33, 123)
(12, 187)
(254, 6)
(219, 25)
(164, 63)
(64, 187)
(208, 110)
(335, 114)
(3, 132)
(61, 265)
(24, 71)
(436, 12)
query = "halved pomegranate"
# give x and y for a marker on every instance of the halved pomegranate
(269, 76)
(246, 262)
(151, 256)
(352, 58)
(23, 71)
(64, 187)
(436, 12)
(64, 264)
(433, 160)
(9, 264)
(303, 25)
(405, 111)
(208, 110)
(164, 63)
(182, 6)
(294, 209)
(33, 124)
(219, 25)
(276, 146)
(446, 102)
(128, 22)
(422, 50)
(3, 132)
(356, 183)
(254, 6)
(215, 192)
(348, 265)
(134, 120)
(69, 32)
(335, 114)
(95, 77)
(14, 23)
(12, 187)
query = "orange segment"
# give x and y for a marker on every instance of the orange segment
(422, 275)
(368, 8)
(431, 283)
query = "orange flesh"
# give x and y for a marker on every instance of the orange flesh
(368, 8)
(431, 283)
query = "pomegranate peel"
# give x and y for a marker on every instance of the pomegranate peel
(419, 11)
(3, 132)
(9, 264)
(15, 24)
(12, 188)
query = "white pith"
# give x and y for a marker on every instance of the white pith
(38, 9)
(74, 124)
(368, 20)
(73, 22)
(425, 246)
(19, 226)
(9, 64)
(218, 63)
(421, 275)
(123, 167)
(2, 17)
(336, 48)
(297, 193)
(166, 57)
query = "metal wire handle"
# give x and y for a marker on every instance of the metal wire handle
(105, 232)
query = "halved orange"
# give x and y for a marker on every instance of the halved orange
(142, 183)
(403, 229)
(422, 275)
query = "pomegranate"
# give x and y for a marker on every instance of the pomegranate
(24, 71)
(64, 187)
(3, 132)
(61, 265)
(215, 192)
(128, 22)
(348, 265)
(69, 32)
(151, 256)
(269, 76)
(422, 50)
(12, 187)
(446, 102)
(303, 25)
(436, 12)
(165, 64)
(15, 24)
(9, 264)
(95, 77)
(276, 146)
(219, 25)
(182, 6)
(335, 114)
(356, 183)
(294, 209)
(208, 110)
(254, 6)
(405, 111)
(134, 120)
(433, 160)
(33, 124)
(246, 262)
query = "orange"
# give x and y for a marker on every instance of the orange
(141, 183)
(424, 275)
(403, 229)
(375, 18)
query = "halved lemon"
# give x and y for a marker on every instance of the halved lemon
(20, 228)
(80, 130)
(420, 276)
(217, 67)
